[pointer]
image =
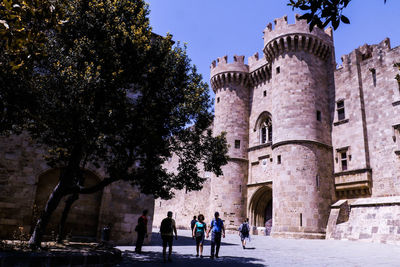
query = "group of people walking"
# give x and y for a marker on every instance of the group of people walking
(200, 231)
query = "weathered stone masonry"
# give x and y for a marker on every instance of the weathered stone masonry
(315, 148)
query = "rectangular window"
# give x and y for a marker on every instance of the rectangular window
(237, 143)
(373, 72)
(278, 70)
(270, 133)
(343, 159)
(279, 159)
(340, 110)
(301, 219)
(265, 93)
(318, 115)
(217, 99)
(263, 135)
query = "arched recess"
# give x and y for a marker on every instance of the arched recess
(263, 127)
(260, 208)
(83, 217)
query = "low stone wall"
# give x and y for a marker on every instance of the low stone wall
(370, 219)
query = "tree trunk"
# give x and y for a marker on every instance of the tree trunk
(68, 204)
(51, 205)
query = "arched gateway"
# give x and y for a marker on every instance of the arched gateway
(260, 210)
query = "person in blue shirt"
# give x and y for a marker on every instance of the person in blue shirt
(217, 229)
(199, 233)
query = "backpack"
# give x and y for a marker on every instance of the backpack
(245, 229)
(166, 226)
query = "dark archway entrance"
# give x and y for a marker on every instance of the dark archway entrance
(83, 217)
(260, 209)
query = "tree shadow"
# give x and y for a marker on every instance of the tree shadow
(155, 259)
(183, 241)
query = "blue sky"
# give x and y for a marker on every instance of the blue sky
(214, 28)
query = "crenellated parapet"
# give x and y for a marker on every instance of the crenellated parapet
(223, 72)
(286, 37)
(260, 70)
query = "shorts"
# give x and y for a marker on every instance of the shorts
(167, 240)
(200, 239)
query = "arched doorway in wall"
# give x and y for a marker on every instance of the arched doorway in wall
(83, 217)
(260, 209)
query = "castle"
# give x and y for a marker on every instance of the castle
(314, 148)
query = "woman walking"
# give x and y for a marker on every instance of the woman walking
(199, 233)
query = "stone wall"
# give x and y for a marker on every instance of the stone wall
(369, 219)
(26, 182)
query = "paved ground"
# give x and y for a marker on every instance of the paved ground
(267, 251)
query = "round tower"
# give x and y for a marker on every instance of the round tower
(301, 86)
(228, 192)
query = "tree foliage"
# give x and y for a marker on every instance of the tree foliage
(322, 12)
(96, 87)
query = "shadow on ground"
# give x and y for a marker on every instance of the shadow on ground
(130, 258)
(182, 241)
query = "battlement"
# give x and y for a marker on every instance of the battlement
(223, 72)
(285, 37)
(221, 65)
(259, 69)
(365, 52)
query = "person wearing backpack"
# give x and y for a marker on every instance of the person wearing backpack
(199, 233)
(167, 230)
(244, 232)
(217, 229)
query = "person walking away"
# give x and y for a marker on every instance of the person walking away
(244, 232)
(192, 224)
(167, 230)
(217, 229)
(141, 229)
(199, 233)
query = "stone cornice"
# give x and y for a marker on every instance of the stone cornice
(288, 142)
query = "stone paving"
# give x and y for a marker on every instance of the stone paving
(266, 251)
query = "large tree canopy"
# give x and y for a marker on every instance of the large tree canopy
(97, 87)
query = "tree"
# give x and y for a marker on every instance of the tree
(322, 12)
(104, 90)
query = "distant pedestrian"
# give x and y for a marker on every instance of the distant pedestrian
(217, 229)
(141, 229)
(198, 232)
(192, 223)
(244, 232)
(167, 230)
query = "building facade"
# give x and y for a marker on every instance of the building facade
(314, 147)
(26, 183)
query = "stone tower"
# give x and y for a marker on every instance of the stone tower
(228, 192)
(301, 64)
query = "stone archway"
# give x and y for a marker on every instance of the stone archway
(260, 210)
(83, 218)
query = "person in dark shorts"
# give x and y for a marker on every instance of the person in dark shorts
(244, 232)
(217, 229)
(192, 223)
(141, 230)
(199, 233)
(167, 230)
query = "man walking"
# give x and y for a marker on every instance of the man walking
(217, 229)
(193, 223)
(244, 232)
(141, 230)
(167, 230)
